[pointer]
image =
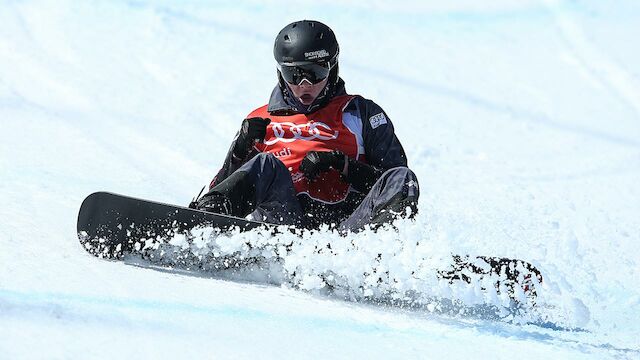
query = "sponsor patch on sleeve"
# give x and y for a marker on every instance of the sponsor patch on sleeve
(377, 120)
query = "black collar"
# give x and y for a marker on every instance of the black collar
(281, 103)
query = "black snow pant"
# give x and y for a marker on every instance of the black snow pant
(263, 188)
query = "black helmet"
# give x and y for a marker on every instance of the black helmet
(304, 42)
(308, 50)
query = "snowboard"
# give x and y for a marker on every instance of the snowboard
(110, 225)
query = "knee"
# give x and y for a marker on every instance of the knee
(265, 157)
(405, 176)
(270, 161)
(401, 172)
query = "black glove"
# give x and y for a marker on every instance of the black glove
(253, 130)
(316, 162)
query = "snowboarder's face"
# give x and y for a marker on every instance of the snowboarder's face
(306, 92)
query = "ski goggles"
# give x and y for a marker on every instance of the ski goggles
(313, 73)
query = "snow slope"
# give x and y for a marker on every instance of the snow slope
(520, 118)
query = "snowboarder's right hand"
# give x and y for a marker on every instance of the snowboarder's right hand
(253, 130)
(316, 162)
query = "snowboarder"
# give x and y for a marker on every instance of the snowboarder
(314, 154)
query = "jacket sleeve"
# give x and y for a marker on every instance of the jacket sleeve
(231, 163)
(381, 145)
(382, 149)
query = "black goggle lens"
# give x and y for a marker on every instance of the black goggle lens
(314, 73)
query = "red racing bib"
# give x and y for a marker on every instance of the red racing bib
(290, 137)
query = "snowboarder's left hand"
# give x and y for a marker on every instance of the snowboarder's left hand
(316, 162)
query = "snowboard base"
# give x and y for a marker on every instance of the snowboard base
(109, 225)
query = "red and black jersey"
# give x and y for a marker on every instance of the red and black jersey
(349, 123)
(291, 137)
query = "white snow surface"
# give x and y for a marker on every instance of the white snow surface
(521, 120)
